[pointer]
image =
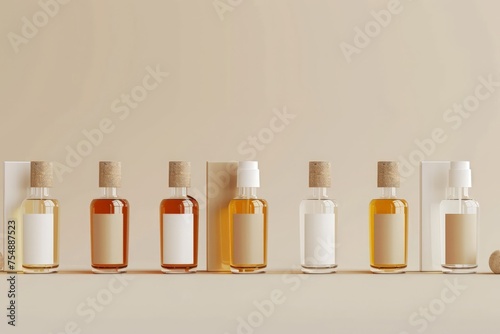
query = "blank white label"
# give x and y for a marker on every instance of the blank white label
(461, 238)
(319, 238)
(38, 243)
(248, 239)
(389, 238)
(178, 238)
(107, 238)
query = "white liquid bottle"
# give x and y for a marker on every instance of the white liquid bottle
(318, 221)
(459, 222)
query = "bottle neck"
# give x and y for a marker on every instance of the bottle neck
(39, 192)
(179, 192)
(319, 193)
(458, 193)
(247, 192)
(109, 192)
(388, 192)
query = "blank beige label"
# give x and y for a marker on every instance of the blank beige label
(107, 238)
(461, 238)
(389, 233)
(248, 239)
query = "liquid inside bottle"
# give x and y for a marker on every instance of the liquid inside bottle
(248, 223)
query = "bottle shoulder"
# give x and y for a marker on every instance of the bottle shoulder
(399, 201)
(257, 202)
(46, 201)
(115, 201)
(467, 202)
(318, 206)
(322, 199)
(468, 199)
(186, 200)
(388, 206)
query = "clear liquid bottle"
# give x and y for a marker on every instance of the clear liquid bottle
(318, 221)
(459, 222)
(109, 223)
(388, 223)
(248, 223)
(179, 223)
(40, 222)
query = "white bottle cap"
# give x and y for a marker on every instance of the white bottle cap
(248, 174)
(460, 174)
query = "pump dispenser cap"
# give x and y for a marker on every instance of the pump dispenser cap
(110, 174)
(460, 174)
(41, 174)
(388, 174)
(248, 174)
(319, 174)
(179, 174)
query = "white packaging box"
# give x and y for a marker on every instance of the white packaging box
(433, 189)
(15, 190)
(221, 189)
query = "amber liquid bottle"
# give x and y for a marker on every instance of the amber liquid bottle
(248, 223)
(109, 223)
(388, 224)
(179, 223)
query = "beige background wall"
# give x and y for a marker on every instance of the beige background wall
(222, 81)
(233, 66)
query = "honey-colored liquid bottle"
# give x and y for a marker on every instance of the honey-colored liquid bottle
(109, 223)
(318, 220)
(248, 223)
(40, 223)
(388, 223)
(179, 223)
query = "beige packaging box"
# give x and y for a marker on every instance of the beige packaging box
(221, 188)
(433, 189)
(15, 190)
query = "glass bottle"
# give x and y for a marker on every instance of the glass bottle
(388, 223)
(109, 223)
(318, 221)
(459, 222)
(179, 223)
(248, 222)
(40, 222)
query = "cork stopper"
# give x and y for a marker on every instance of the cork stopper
(110, 174)
(319, 174)
(41, 174)
(179, 174)
(388, 174)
